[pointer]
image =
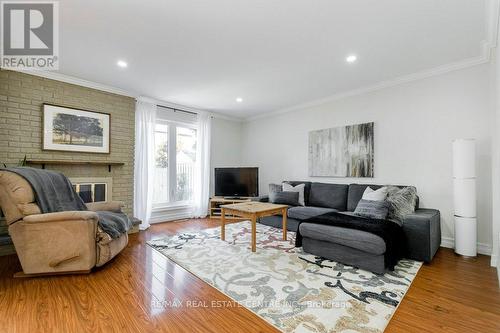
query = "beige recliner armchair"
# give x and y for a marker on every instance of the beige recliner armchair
(55, 243)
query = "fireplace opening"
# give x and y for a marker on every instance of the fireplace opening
(93, 190)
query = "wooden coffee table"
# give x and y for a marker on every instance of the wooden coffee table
(252, 210)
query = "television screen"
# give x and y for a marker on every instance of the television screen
(237, 182)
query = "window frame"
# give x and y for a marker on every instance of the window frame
(172, 161)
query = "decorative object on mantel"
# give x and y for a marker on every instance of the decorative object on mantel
(464, 194)
(21, 163)
(43, 163)
(342, 151)
(70, 129)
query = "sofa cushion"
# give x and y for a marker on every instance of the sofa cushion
(307, 189)
(402, 202)
(356, 239)
(375, 195)
(276, 221)
(372, 209)
(356, 193)
(285, 198)
(302, 213)
(329, 195)
(298, 188)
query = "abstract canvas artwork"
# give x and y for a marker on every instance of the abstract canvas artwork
(342, 151)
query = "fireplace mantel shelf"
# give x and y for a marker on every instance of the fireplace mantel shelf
(72, 162)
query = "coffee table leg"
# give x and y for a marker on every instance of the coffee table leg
(285, 218)
(223, 224)
(254, 232)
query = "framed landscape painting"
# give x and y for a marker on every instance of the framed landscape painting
(68, 129)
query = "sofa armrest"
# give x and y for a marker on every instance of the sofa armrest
(62, 216)
(110, 206)
(422, 215)
(423, 234)
(56, 242)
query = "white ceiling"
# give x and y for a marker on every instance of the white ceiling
(274, 54)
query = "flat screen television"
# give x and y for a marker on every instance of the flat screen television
(237, 182)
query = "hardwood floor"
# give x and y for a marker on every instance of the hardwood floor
(133, 293)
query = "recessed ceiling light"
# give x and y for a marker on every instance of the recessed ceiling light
(239, 99)
(351, 58)
(122, 64)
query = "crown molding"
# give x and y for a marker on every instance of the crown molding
(79, 82)
(492, 12)
(484, 58)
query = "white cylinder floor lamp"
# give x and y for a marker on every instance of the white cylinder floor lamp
(464, 195)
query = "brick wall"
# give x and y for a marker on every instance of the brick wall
(21, 99)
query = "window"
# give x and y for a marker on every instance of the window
(185, 160)
(175, 148)
(161, 191)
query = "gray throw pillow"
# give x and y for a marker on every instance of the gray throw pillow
(402, 202)
(372, 209)
(297, 188)
(273, 189)
(286, 198)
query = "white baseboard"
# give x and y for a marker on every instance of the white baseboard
(494, 261)
(482, 248)
(498, 272)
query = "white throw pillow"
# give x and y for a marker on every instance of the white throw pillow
(378, 195)
(299, 188)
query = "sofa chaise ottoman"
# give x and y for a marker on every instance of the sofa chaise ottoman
(355, 247)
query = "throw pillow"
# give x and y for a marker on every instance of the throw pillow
(286, 198)
(402, 202)
(374, 209)
(273, 189)
(299, 188)
(378, 195)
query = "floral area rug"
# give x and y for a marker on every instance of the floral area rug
(292, 290)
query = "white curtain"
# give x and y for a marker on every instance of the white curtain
(202, 170)
(145, 120)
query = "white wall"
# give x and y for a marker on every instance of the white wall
(225, 146)
(496, 163)
(415, 124)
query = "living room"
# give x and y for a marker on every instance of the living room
(241, 166)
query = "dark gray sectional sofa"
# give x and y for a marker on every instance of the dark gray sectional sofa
(355, 247)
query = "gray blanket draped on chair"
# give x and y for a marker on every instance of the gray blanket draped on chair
(55, 193)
